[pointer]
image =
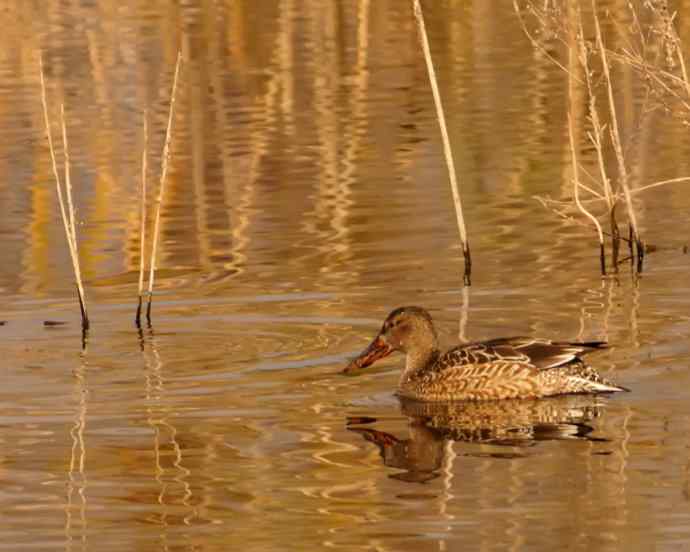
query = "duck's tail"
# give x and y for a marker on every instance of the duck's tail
(580, 378)
(597, 386)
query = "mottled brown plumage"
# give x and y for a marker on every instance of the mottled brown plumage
(505, 368)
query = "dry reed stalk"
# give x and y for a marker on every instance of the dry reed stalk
(142, 230)
(566, 27)
(598, 197)
(616, 140)
(66, 213)
(574, 27)
(576, 192)
(536, 44)
(661, 183)
(595, 137)
(662, 83)
(671, 41)
(161, 187)
(424, 41)
(72, 223)
(671, 38)
(68, 179)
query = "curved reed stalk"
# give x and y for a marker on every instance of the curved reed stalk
(161, 188)
(448, 153)
(577, 54)
(576, 192)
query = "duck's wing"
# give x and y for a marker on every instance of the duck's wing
(544, 353)
(540, 353)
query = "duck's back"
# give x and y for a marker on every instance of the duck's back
(540, 353)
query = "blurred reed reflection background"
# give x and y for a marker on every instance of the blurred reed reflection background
(310, 128)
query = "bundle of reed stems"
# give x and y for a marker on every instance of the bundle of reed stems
(159, 202)
(589, 66)
(67, 211)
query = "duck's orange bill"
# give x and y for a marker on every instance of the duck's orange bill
(375, 351)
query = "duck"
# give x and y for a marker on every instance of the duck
(502, 368)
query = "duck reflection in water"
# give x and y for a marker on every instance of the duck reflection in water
(508, 423)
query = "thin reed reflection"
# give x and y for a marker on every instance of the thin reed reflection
(76, 476)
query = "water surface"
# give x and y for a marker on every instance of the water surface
(307, 198)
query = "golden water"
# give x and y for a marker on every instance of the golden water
(307, 198)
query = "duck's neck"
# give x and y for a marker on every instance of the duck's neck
(418, 360)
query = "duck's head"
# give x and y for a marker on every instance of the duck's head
(406, 329)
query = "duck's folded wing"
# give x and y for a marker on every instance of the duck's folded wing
(540, 353)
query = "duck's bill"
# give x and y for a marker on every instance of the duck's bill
(375, 351)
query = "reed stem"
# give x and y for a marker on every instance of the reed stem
(448, 153)
(142, 229)
(161, 187)
(576, 192)
(72, 224)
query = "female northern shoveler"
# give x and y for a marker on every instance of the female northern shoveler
(504, 368)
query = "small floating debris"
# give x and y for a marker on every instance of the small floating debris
(53, 323)
(358, 420)
(3, 322)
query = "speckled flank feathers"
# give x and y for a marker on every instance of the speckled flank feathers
(500, 379)
(506, 368)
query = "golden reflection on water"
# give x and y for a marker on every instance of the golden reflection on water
(307, 196)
